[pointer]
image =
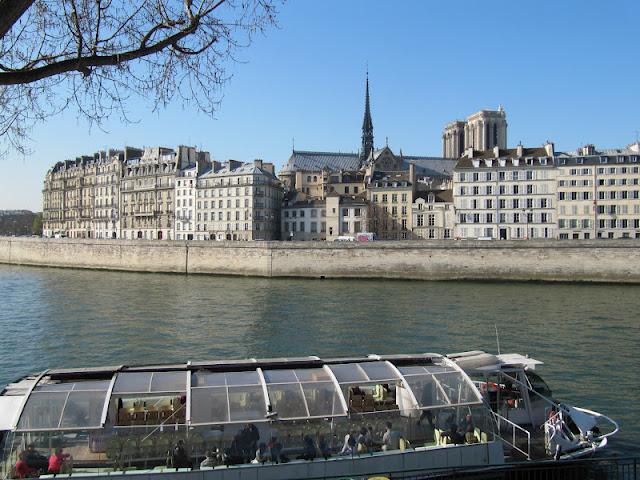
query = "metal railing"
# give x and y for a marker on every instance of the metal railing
(525, 434)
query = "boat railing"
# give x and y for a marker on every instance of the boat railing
(515, 430)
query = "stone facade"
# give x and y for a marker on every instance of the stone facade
(482, 130)
(148, 189)
(506, 194)
(433, 215)
(240, 201)
(599, 193)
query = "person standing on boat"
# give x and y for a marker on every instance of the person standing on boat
(349, 447)
(179, 456)
(58, 461)
(391, 438)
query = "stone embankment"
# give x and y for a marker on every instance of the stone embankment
(616, 261)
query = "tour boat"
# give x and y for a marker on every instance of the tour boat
(286, 418)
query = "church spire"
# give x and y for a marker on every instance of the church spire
(367, 126)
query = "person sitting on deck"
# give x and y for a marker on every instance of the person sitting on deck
(22, 469)
(59, 461)
(391, 438)
(35, 460)
(323, 446)
(466, 428)
(308, 449)
(261, 454)
(213, 458)
(361, 442)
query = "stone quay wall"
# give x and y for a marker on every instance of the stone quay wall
(616, 261)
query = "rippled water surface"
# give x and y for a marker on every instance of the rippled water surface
(587, 335)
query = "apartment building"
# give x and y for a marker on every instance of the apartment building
(506, 193)
(106, 212)
(599, 193)
(240, 201)
(433, 215)
(148, 194)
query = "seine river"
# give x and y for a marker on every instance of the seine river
(588, 335)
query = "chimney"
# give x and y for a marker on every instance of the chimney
(216, 165)
(589, 149)
(412, 172)
(257, 163)
(549, 148)
(496, 151)
(635, 147)
(519, 150)
(269, 167)
(233, 164)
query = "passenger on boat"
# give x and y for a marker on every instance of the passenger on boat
(391, 438)
(369, 437)
(35, 460)
(308, 449)
(323, 446)
(349, 446)
(59, 461)
(361, 441)
(466, 428)
(275, 450)
(454, 435)
(180, 457)
(213, 458)
(426, 399)
(22, 469)
(261, 454)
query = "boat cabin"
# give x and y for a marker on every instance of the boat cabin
(274, 411)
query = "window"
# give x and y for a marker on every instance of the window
(345, 227)
(394, 198)
(404, 197)
(384, 197)
(431, 220)
(420, 220)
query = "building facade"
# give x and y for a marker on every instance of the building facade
(106, 213)
(147, 193)
(433, 215)
(599, 193)
(240, 201)
(506, 194)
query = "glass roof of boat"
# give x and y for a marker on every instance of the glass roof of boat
(215, 396)
(67, 405)
(150, 382)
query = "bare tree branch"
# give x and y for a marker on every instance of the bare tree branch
(93, 55)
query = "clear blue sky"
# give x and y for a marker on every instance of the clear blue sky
(567, 71)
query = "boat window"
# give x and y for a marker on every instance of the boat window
(538, 384)
(438, 386)
(232, 397)
(368, 386)
(302, 393)
(150, 398)
(68, 405)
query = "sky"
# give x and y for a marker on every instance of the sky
(565, 71)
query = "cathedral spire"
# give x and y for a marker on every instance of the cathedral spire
(367, 126)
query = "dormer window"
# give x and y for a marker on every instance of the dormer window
(476, 163)
(431, 198)
(543, 161)
(634, 159)
(489, 162)
(621, 159)
(604, 159)
(502, 162)
(515, 162)
(580, 161)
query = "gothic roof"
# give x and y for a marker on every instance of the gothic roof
(316, 161)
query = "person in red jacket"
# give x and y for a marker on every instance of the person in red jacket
(22, 469)
(57, 460)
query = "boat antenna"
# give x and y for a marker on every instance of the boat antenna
(497, 337)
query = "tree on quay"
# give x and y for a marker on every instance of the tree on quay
(93, 55)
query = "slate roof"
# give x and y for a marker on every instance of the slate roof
(504, 153)
(316, 161)
(431, 166)
(441, 196)
(244, 169)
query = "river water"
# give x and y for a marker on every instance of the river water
(587, 335)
